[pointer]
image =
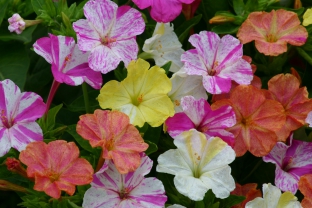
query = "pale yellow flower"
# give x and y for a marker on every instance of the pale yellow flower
(142, 95)
(307, 18)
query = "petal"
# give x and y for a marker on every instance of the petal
(9, 98)
(286, 181)
(305, 187)
(44, 184)
(165, 11)
(103, 59)
(98, 197)
(126, 50)
(257, 202)
(216, 84)
(193, 64)
(143, 4)
(196, 110)
(179, 123)
(277, 154)
(87, 36)
(271, 194)
(43, 48)
(5, 143)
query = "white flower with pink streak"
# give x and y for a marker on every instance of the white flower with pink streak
(109, 33)
(111, 189)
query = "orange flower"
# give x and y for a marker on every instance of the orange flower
(272, 31)
(119, 139)
(284, 88)
(257, 120)
(249, 190)
(56, 166)
(305, 187)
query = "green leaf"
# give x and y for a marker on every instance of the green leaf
(239, 6)
(200, 204)
(183, 31)
(231, 201)
(25, 37)
(152, 147)
(50, 120)
(38, 5)
(14, 63)
(209, 198)
(3, 7)
(152, 134)
(306, 55)
(72, 205)
(166, 66)
(227, 28)
(120, 73)
(81, 141)
(78, 105)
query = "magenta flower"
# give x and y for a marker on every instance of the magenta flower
(291, 162)
(69, 64)
(112, 189)
(218, 60)
(198, 115)
(17, 24)
(18, 113)
(109, 33)
(163, 10)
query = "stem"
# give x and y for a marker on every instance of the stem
(54, 87)
(100, 162)
(86, 97)
(252, 171)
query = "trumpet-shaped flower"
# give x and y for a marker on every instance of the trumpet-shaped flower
(284, 88)
(18, 113)
(164, 46)
(109, 33)
(307, 17)
(69, 64)
(272, 197)
(56, 167)
(272, 31)
(218, 61)
(142, 95)
(183, 86)
(113, 190)
(305, 187)
(198, 115)
(163, 10)
(199, 165)
(291, 163)
(257, 120)
(120, 141)
(249, 190)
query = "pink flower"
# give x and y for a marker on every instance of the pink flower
(291, 162)
(18, 112)
(218, 60)
(69, 64)
(56, 166)
(163, 10)
(198, 115)
(112, 189)
(109, 33)
(17, 24)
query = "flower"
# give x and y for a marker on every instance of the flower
(189, 9)
(284, 88)
(308, 120)
(291, 162)
(17, 24)
(113, 190)
(163, 10)
(69, 64)
(120, 141)
(257, 120)
(142, 95)
(249, 190)
(305, 187)
(272, 31)
(198, 115)
(183, 86)
(218, 61)
(307, 17)
(199, 165)
(18, 112)
(164, 46)
(109, 33)
(56, 166)
(272, 197)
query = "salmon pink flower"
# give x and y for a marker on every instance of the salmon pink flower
(109, 33)
(199, 165)
(291, 162)
(249, 190)
(284, 88)
(218, 61)
(112, 189)
(18, 113)
(272, 197)
(257, 120)
(142, 95)
(162, 10)
(198, 115)
(305, 187)
(69, 64)
(120, 141)
(56, 166)
(272, 31)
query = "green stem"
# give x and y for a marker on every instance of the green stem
(86, 97)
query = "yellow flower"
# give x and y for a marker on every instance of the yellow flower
(142, 95)
(307, 17)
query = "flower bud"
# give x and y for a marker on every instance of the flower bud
(15, 166)
(17, 24)
(297, 4)
(221, 19)
(7, 186)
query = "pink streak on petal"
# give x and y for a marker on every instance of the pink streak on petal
(87, 37)
(179, 123)
(103, 59)
(43, 48)
(126, 50)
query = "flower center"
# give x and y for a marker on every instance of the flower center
(213, 71)
(177, 103)
(137, 101)
(271, 38)
(5, 120)
(124, 193)
(107, 40)
(53, 176)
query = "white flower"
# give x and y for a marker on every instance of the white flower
(273, 198)
(164, 46)
(199, 165)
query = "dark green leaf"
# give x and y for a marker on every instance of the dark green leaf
(78, 105)
(38, 5)
(209, 198)
(50, 120)
(231, 201)
(153, 134)
(166, 66)
(3, 7)
(152, 147)
(72, 205)
(81, 141)
(199, 204)
(120, 73)
(305, 54)
(238, 6)
(25, 37)
(183, 31)
(227, 28)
